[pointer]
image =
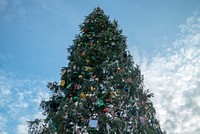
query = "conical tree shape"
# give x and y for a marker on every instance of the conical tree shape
(101, 91)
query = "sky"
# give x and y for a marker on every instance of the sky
(163, 37)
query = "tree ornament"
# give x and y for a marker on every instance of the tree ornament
(113, 94)
(93, 124)
(94, 76)
(91, 44)
(109, 100)
(69, 70)
(83, 53)
(149, 121)
(113, 43)
(126, 89)
(74, 67)
(87, 61)
(105, 110)
(146, 118)
(75, 86)
(88, 69)
(76, 104)
(138, 104)
(142, 119)
(75, 98)
(87, 95)
(80, 76)
(118, 69)
(69, 85)
(62, 83)
(92, 88)
(96, 79)
(100, 103)
(63, 71)
(82, 95)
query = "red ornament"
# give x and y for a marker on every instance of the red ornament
(138, 104)
(75, 86)
(70, 95)
(105, 110)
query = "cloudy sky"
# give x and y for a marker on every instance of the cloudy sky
(163, 36)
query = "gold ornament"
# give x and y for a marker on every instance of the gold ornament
(80, 76)
(87, 95)
(62, 83)
(92, 88)
(88, 69)
(118, 69)
(82, 95)
(113, 94)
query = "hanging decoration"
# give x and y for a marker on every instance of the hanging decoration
(62, 83)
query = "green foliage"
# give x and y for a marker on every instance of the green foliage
(100, 83)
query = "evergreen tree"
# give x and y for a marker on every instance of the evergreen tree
(101, 90)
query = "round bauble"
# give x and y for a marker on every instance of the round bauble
(105, 110)
(80, 76)
(62, 83)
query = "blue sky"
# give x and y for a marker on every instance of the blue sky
(163, 36)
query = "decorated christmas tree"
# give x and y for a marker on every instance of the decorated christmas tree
(101, 90)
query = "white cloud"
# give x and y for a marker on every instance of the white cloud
(3, 125)
(22, 129)
(41, 96)
(175, 80)
(19, 102)
(5, 88)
